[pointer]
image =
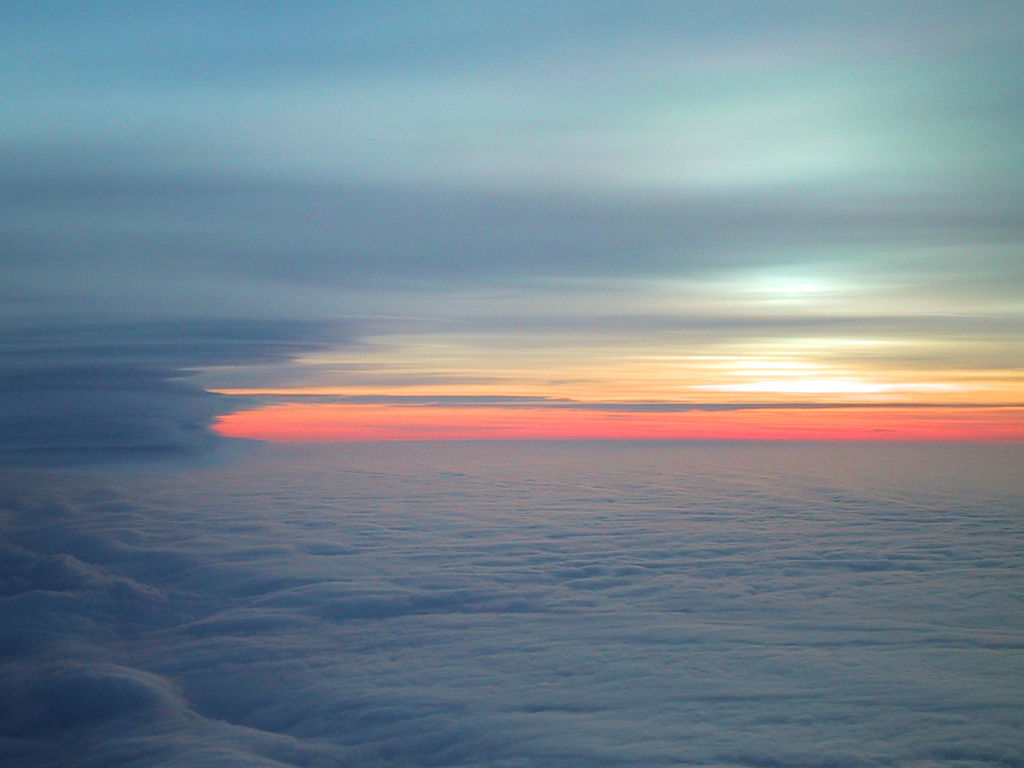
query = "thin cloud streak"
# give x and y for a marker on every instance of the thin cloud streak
(510, 401)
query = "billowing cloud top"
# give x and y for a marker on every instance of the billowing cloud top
(518, 604)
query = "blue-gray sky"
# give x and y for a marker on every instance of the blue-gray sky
(424, 177)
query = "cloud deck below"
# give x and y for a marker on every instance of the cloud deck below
(532, 604)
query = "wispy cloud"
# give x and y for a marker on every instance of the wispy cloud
(512, 401)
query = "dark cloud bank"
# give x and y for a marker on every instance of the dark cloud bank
(519, 605)
(88, 391)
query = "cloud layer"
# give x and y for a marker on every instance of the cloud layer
(74, 392)
(519, 605)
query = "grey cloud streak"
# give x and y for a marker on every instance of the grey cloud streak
(186, 343)
(554, 403)
(377, 235)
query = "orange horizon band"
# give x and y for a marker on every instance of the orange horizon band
(313, 422)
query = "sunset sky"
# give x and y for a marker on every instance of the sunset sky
(533, 384)
(379, 220)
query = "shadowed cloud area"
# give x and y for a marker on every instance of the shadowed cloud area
(71, 393)
(519, 604)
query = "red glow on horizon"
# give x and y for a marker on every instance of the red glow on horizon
(306, 422)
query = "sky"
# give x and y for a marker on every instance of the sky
(406, 220)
